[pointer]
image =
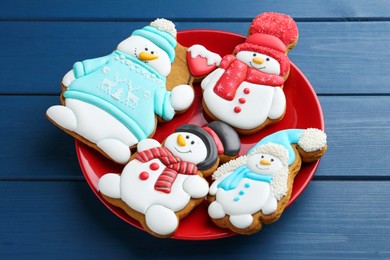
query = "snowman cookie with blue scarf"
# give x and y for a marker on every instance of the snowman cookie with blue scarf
(254, 189)
(113, 102)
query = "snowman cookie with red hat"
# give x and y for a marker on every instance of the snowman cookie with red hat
(246, 89)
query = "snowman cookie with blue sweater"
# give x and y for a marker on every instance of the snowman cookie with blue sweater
(254, 189)
(111, 103)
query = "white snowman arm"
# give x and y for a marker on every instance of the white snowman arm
(196, 186)
(214, 186)
(109, 185)
(212, 78)
(147, 144)
(270, 205)
(68, 78)
(211, 57)
(278, 104)
(182, 97)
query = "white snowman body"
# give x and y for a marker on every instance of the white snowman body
(267, 101)
(95, 124)
(249, 195)
(136, 187)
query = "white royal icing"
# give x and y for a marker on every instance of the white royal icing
(199, 50)
(265, 100)
(161, 220)
(251, 195)
(134, 45)
(312, 140)
(193, 150)
(137, 186)
(165, 26)
(182, 97)
(268, 65)
(95, 125)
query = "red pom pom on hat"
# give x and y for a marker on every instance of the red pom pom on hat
(279, 25)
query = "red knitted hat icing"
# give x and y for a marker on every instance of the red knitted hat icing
(279, 25)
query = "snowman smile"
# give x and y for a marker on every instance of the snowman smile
(262, 169)
(189, 151)
(250, 63)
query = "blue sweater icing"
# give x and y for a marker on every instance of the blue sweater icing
(130, 90)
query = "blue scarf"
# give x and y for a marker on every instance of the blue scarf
(231, 182)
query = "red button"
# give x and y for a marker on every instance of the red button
(242, 100)
(154, 166)
(247, 91)
(143, 176)
(237, 109)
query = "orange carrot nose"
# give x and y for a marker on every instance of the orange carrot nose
(146, 56)
(180, 140)
(265, 162)
(258, 60)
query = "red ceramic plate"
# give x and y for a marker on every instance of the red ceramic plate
(303, 111)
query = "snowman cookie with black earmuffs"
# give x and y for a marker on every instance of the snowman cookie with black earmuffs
(164, 182)
(254, 189)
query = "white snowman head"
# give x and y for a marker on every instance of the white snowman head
(259, 61)
(154, 45)
(263, 163)
(265, 53)
(188, 146)
(198, 145)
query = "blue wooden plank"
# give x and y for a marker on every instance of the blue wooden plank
(336, 57)
(358, 131)
(192, 9)
(331, 220)
(32, 148)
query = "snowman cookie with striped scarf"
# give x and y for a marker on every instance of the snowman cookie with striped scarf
(164, 182)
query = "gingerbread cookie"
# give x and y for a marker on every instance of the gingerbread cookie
(254, 189)
(162, 184)
(112, 102)
(252, 78)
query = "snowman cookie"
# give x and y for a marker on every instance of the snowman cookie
(254, 189)
(246, 88)
(113, 102)
(213, 144)
(163, 183)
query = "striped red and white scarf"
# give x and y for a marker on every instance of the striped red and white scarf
(174, 166)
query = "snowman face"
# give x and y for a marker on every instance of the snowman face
(147, 52)
(264, 164)
(259, 61)
(187, 146)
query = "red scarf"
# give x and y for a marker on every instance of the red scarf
(174, 166)
(237, 72)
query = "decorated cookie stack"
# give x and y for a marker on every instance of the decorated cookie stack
(115, 103)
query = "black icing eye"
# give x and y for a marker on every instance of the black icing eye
(152, 52)
(192, 142)
(254, 54)
(262, 156)
(187, 137)
(267, 59)
(272, 160)
(146, 49)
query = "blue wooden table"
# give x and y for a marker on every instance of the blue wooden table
(48, 211)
